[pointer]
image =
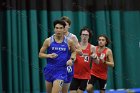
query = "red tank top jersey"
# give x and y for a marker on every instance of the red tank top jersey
(82, 64)
(100, 70)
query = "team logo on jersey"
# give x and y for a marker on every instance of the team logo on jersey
(59, 48)
(102, 56)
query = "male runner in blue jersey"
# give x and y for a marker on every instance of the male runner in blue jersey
(58, 48)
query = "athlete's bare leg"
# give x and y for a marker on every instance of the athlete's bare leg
(80, 91)
(48, 86)
(65, 87)
(57, 86)
(73, 91)
(90, 88)
(102, 91)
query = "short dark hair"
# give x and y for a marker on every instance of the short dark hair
(59, 22)
(88, 29)
(65, 18)
(107, 39)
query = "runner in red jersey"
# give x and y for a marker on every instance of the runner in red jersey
(82, 63)
(99, 71)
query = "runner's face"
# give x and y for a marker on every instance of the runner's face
(59, 29)
(102, 41)
(85, 36)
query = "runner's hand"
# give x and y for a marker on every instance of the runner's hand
(53, 55)
(69, 62)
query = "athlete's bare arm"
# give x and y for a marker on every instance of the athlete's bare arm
(74, 38)
(109, 60)
(94, 55)
(77, 45)
(43, 49)
(93, 49)
(73, 52)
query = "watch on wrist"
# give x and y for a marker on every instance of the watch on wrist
(72, 60)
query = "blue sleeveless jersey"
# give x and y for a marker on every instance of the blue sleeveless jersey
(61, 49)
(56, 67)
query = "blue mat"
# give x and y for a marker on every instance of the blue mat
(133, 90)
